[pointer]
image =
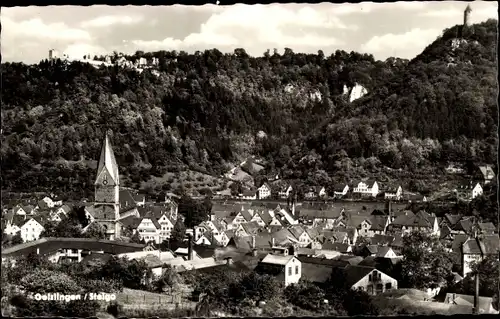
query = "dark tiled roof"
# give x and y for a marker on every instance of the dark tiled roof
(353, 274)
(340, 247)
(452, 219)
(318, 273)
(487, 227)
(131, 221)
(382, 240)
(323, 261)
(251, 227)
(458, 241)
(49, 245)
(247, 215)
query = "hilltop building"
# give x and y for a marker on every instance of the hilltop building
(467, 18)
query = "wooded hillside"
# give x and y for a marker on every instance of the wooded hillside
(205, 109)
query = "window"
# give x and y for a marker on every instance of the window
(369, 289)
(375, 275)
(289, 271)
(380, 288)
(369, 277)
(296, 270)
(388, 286)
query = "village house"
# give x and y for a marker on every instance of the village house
(368, 188)
(300, 235)
(469, 191)
(285, 192)
(31, 230)
(149, 230)
(340, 190)
(487, 173)
(395, 193)
(315, 192)
(407, 222)
(246, 229)
(286, 268)
(264, 191)
(248, 195)
(369, 279)
(475, 249)
(13, 223)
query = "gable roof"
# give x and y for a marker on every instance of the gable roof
(126, 199)
(250, 227)
(276, 259)
(353, 274)
(296, 231)
(340, 247)
(131, 221)
(247, 215)
(265, 216)
(487, 227)
(382, 251)
(485, 245)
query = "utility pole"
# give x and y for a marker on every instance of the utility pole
(475, 310)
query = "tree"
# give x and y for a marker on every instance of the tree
(426, 263)
(179, 232)
(45, 281)
(305, 295)
(136, 238)
(194, 211)
(169, 279)
(96, 231)
(17, 239)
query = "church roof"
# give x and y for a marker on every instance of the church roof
(108, 161)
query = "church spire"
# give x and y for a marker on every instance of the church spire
(107, 162)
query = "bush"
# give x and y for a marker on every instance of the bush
(114, 309)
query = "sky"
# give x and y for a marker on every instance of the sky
(401, 29)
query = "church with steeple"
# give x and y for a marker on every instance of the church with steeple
(107, 191)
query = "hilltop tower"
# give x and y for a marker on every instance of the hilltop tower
(107, 190)
(467, 13)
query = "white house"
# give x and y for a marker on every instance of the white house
(394, 193)
(149, 230)
(340, 190)
(369, 279)
(11, 229)
(19, 210)
(50, 203)
(31, 230)
(248, 195)
(166, 227)
(367, 188)
(289, 267)
(469, 191)
(285, 192)
(316, 191)
(264, 191)
(302, 237)
(477, 191)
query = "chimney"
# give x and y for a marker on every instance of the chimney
(190, 247)
(253, 242)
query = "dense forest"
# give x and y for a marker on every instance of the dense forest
(209, 110)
